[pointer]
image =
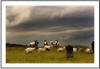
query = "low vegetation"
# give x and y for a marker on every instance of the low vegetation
(17, 55)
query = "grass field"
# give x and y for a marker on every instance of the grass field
(17, 55)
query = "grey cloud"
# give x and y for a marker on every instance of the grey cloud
(52, 16)
(65, 23)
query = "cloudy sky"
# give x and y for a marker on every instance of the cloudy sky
(68, 24)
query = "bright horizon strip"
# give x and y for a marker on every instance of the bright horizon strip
(52, 3)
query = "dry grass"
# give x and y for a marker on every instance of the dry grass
(17, 55)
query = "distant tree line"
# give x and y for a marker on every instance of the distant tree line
(15, 45)
(20, 45)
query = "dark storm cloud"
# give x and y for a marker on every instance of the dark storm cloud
(50, 22)
(84, 37)
(45, 23)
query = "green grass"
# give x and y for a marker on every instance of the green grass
(17, 55)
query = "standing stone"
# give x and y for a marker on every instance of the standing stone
(36, 44)
(69, 51)
(92, 46)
